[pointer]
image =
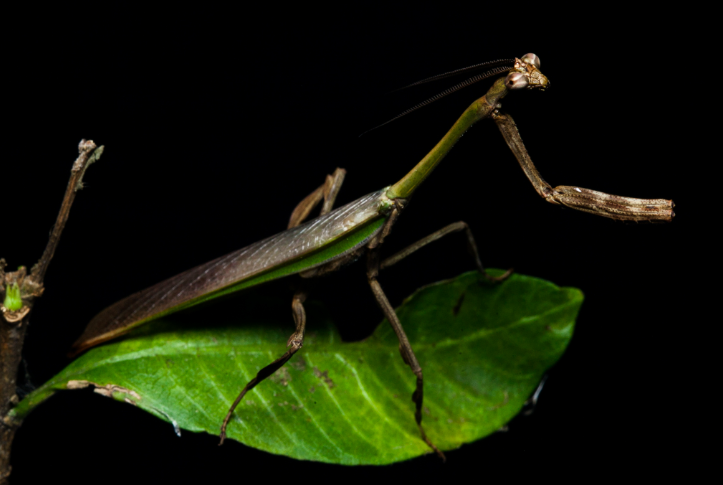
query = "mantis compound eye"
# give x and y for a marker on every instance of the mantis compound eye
(516, 80)
(531, 58)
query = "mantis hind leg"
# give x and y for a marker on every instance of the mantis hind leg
(293, 345)
(454, 227)
(327, 191)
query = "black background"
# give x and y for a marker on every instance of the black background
(217, 123)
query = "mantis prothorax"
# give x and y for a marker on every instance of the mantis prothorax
(341, 236)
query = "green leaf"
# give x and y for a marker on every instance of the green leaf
(483, 348)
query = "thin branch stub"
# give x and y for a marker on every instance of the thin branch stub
(89, 153)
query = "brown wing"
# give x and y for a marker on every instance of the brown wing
(209, 280)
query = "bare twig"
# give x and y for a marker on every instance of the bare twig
(14, 321)
(88, 155)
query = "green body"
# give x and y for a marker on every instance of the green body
(293, 251)
(478, 110)
(327, 253)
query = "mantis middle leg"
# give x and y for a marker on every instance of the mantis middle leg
(405, 348)
(451, 228)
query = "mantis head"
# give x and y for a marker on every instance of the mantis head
(526, 74)
(521, 73)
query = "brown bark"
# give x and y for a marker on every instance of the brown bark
(13, 324)
(11, 344)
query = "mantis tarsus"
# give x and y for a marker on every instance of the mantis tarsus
(341, 236)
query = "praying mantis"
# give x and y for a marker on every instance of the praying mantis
(338, 237)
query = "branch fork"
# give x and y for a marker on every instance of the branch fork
(18, 291)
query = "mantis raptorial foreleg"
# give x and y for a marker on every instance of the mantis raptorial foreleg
(336, 239)
(586, 200)
(328, 192)
(454, 227)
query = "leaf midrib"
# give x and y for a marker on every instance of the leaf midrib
(183, 348)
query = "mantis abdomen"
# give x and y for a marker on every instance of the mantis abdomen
(301, 248)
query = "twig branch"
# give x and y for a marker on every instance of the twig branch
(14, 321)
(88, 155)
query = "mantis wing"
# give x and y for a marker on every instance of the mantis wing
(306, 246)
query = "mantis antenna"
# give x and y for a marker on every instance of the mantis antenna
(516, 81)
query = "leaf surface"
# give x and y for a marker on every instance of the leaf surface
(483, 348)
